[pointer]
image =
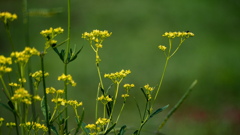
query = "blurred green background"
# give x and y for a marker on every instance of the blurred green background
(211, 57)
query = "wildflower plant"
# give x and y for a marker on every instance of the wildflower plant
(55, 103)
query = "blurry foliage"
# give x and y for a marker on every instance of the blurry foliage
(212, 56)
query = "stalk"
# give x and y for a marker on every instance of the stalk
(45, 94)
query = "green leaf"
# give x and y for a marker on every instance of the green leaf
(186, 94)
(158, 111)
(110, 129)
(109, 107)
(7, 107)
(85, 130)
(74, 56)
(79, 122)
(53, 128)
(122, 130)
(138, 107)
(135, 132)
(43, 108)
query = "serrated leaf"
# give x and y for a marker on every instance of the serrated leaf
(110, 129)
(122, 130)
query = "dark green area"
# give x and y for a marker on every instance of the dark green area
(212, 56)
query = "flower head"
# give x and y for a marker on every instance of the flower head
(117, 76)
(105, 99)
(67, 78)
(23, 57)
(4, 63)
(21, 95)
(162, 47)
(184, 34)
(7, 17)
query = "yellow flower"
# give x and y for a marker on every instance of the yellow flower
(102, 121)
(23, 57)
(125, 95)
(74, 103)
(148, 88)
(50, 90)
(37, 98)
(128, 86)
(4, 62)
(14, 84)
(105, 99)
(184, 34)
(60, 101)
(118, 76)
(7, 17)
(21, 95)
(162, 47)
(68, 79)
(11, 124)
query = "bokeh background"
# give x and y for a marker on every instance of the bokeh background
(211, 57)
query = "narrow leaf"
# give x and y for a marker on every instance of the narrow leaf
(158, 111)
(85, 130)
(53, 128)
(7, 107)
(178, 104)
(110, 129)
(135, 132)
(122, 130)
(75, 55)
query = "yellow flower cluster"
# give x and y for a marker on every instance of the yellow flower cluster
(95, 128)
(63, 102)
(128, 86)
(105, 99)
(148, 91)
(125, 95)
(34, 126)
(118, 76)
(7, 17)
(67, 78)
(50, 34)
(148, 88)
(21, 95)
(11, 124)
(23, 57)
(37, 98)
(184, 34)
(60, 101)
(4, 62)
(38, 75)
(97, 36)
(74, 103)
(102, 121)
(14, 84)
(162, 47)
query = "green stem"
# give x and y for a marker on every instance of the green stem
(5, 88)
(161, 80)
(96, 108)
(45, 94)
(66, 59)
(9, 36)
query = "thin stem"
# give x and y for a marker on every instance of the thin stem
(99, 75)
(45, 94)
(96, 108)
(5, 88)
(66, 59)
(9, 36)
